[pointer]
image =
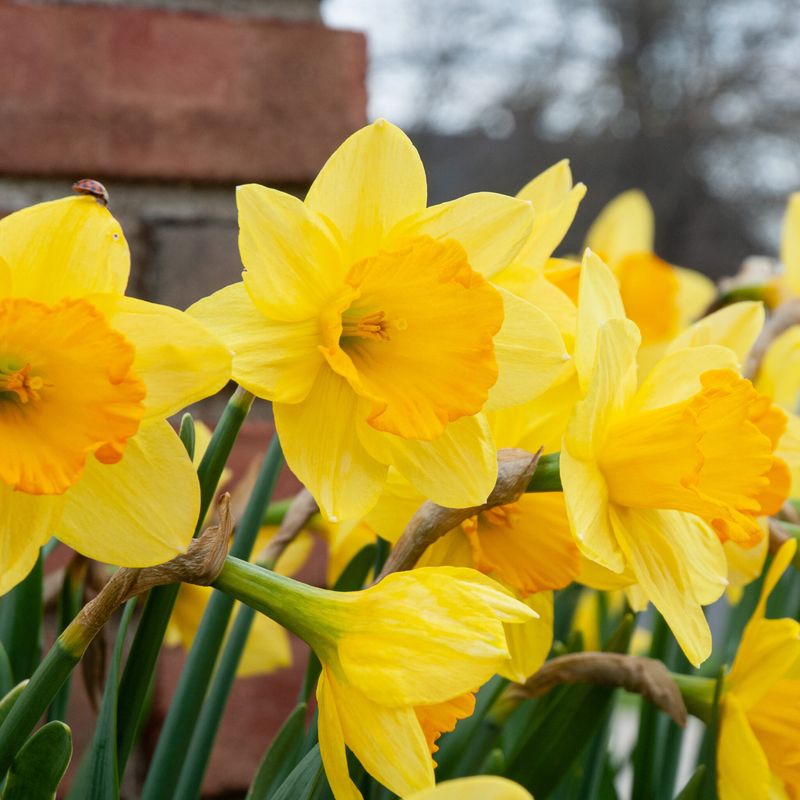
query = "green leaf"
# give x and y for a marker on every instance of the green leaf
(281, 756)
(6, 673)
(21, 613)
(694, 788)
(304, 780)
(98, 777)
(174, 744)
(186, 433)
(708, 749)
(9, 699)
(70, 600)
(137, 678)
(40, 765)
(565, 720)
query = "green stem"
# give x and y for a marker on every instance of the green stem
(137, 677)
(547, 477)
(44, 684)
(698, 694)
(173, 742)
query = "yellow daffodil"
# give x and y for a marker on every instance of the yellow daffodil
(758, 754)
(87, 377)
(400, 662)
(478, 787)
(656, 475)
(660, 298)
(369, 321)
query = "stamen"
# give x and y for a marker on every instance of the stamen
(506, 516)
(22, 384)
(372, 326)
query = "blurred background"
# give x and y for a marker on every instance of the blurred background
(697, 103)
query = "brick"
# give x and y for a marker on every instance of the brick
(143, 93)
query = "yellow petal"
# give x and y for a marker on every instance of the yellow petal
(278, 361)
(530, 354)
(790, 243)
(5, 278)
(767, 651)
(65, 248)
(534, 287)
(555, 202)
(647, 536)
(319, 440)
(140, 511)
(707, 567)
(541, 422)
(586, 498)
(736, 326)
(599, 301)
(27, 521)
(292, 265)
(742, 768)
(745, 564)
(398, 502)
(267, 649)
(373, 181)
(490, 227)
(388, 742)
(398, 655)
(626, 225)
(779, 565)
(478, 787)
(177, 358)
(451, 550)
(529, 643)
(696, 292)
(332, 744)
(676, 377)
(457, 469)
(780, 368)
(527, 544)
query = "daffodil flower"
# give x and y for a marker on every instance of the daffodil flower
(400, 661)
(660, 298)
(757, 750)
(87, 377)
(655, 476)
(368, 320)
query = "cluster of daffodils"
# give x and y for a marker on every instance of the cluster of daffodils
(409, 352)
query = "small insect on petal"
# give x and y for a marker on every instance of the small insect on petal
(93, 188)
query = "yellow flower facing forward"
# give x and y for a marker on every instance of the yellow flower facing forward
(758, 753)
(87, 377)
(400, 661)
(655, 475)
(660, 298)
(369, 321)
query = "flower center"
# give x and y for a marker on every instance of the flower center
(21, 383)
(370, 326)
(412, 330)
(67, 391)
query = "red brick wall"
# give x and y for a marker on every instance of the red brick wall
(142, 93)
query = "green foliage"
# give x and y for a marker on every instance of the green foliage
(39, 766)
